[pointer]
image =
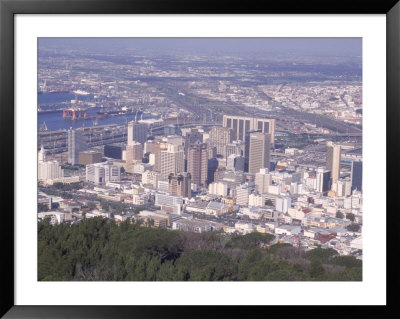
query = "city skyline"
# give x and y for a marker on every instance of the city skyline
(254, 142)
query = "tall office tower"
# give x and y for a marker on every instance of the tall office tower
(333, 160)
(49, 170)
(323, 181)
(180, 185)
(259, 151)
(240, 125)
(236, 147)
(134, 152)
(192, 137)
(197, 163)
(156, 149)
(137, 132)
(76, 143)
(220, 137)
(356, 175)
(235, 162)
(211, 169)
(263, 180)
(42, 155)
(247, 148)
(172, 160)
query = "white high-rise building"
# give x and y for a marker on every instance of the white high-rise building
(242, 194)
(49, 170)
(283, 203)
(172, 160)
(218, 188)
(263, 180)
(257, 200)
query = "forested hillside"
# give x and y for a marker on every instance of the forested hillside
(97, 249)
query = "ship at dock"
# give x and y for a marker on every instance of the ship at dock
(74, 112)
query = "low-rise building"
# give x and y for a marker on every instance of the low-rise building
(195, 225)
(216, 209)
(89, 157)
(244, 227)
(288, 230)
(55, 217)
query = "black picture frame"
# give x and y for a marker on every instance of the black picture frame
(8, 8)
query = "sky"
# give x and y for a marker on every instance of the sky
(350, 47)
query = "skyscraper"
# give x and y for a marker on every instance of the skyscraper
(180, 184)
(172, 160)
(259, 151)
(192, 137)
(211, 168)
(76, 143)
(220, 137)
(49, 170)
(240, 125)
(263, 180)
(137, 132)
(323, 177)
(247, 148)
(156, 149)
(333, 160)
(197, 163)
(356, 175)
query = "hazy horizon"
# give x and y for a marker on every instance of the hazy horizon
(323, 47)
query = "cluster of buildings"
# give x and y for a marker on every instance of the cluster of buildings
(338, 101)
(220, 178)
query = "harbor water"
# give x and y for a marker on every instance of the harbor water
(55, 121)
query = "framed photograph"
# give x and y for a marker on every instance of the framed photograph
(166, 154)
